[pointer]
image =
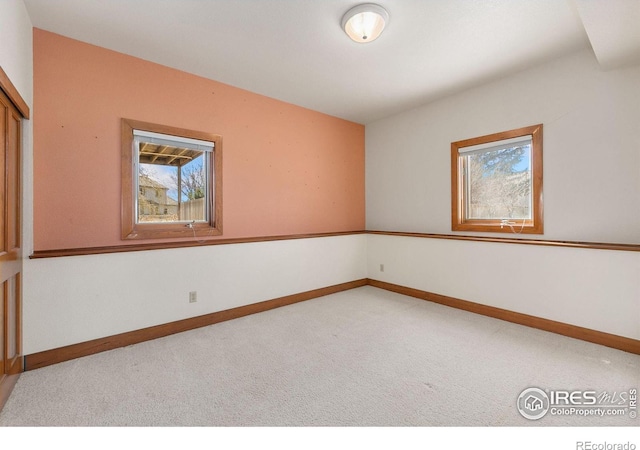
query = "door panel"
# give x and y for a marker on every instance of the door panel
(12, 297)
(4, 116)
(13, 182)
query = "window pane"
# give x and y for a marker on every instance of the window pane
(499, 183)
(172, 184)
(193, 190)
(157, 195)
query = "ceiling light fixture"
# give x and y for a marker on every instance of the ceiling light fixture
(364, 23)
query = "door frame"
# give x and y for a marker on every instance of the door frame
(8, 380)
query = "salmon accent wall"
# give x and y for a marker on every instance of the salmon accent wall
(286, 169)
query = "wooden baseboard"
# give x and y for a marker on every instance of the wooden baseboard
(57, 355)
(597, 337)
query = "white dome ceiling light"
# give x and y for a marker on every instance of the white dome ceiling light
(364, 23)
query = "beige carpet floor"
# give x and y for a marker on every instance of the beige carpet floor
(364, 357)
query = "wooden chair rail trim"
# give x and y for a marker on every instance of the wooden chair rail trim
(503, 240)
(57, 355)
(186, 244)
(180, 244)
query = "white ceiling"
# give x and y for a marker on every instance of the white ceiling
(295, 50)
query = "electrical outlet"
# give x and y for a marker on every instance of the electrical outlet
(381, 267)
(193, 296)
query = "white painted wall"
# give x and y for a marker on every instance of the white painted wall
(16, 46)
(79, 298)
(596, 289)
(16, 59)
(591, 193)
(591, 151)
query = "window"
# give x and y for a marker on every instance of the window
(171, 182)
(496, 182)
